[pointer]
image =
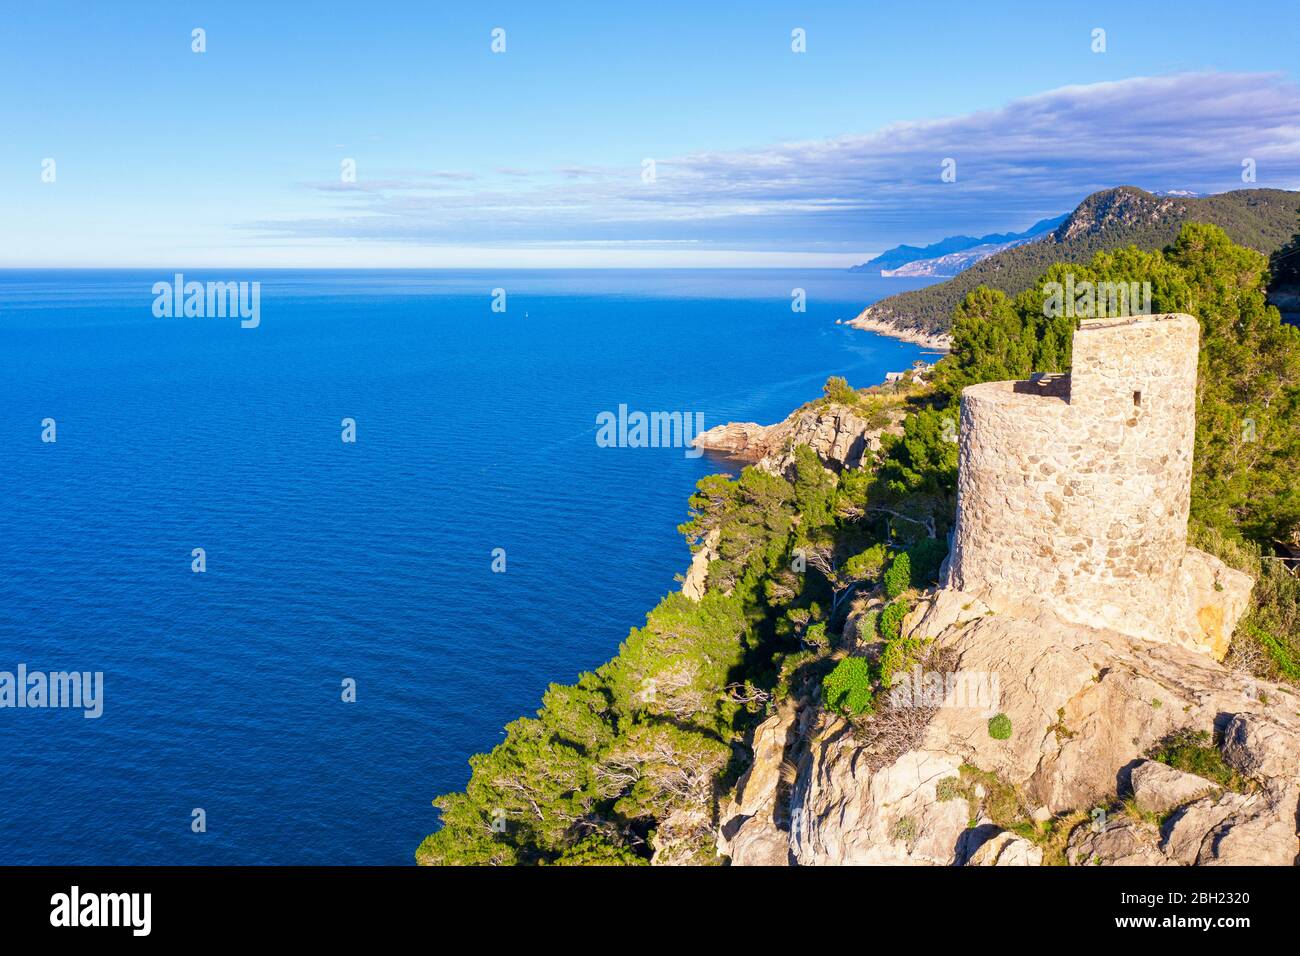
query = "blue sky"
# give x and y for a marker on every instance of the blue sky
(534, 156)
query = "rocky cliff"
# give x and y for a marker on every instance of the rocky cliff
(926, 780)
(1060, 698)
(840, 434)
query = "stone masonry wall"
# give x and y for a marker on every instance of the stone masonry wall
(1075, 492)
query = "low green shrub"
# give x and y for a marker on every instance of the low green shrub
(891, 620)
(899, 655)
(595, 851)
(1000, 727)
(1193, 751)
(868, 625)
(904, 830)
(839, 391)
(867, 564)
(899, 576)
(847, 689)
(1283, 661)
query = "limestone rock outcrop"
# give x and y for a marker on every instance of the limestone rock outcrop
(1117, 841)
(744, 441)
(1260, 744)
(1213, 598)
(1255, 829)
(840, 436)
(847, 813)
(697, 575)
(1158, 788)
(754, 829)
(1007, 849)
(1086, 707)
(1223, 829)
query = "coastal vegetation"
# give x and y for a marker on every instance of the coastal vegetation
(1194, 752)
(847, 689)
(812, 575)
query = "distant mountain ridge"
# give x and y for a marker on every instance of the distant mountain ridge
(900, 256)
(1263, 219)
(954, 263)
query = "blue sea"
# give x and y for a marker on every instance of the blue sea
(329, 562)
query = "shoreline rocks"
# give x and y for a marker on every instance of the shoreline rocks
(839, 435)
(882, 325)
(743, 441)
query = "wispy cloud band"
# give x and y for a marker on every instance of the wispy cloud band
(1030, 158)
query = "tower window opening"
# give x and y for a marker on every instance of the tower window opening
(1137, 399)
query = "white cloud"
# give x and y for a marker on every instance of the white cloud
(1032, 157)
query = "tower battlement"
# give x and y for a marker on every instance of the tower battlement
(1074, 490)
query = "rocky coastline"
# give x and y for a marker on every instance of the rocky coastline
(840, 435)
(871, 320)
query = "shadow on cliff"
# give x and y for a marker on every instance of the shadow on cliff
(971, 840)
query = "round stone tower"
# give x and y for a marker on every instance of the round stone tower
(1074, 489)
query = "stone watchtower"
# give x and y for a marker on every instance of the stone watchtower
(1074, 490)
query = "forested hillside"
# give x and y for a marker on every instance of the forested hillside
(1260, 219)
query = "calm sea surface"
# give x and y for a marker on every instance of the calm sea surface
(329, 561)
